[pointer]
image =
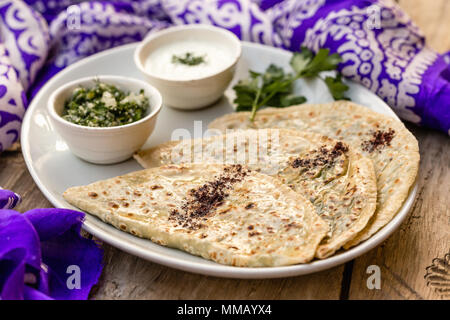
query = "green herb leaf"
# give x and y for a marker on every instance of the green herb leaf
(274, 87)
(337, 87)
(300, 60)
(291, 100)
(306, 64)
(188, 59)
(271, 88)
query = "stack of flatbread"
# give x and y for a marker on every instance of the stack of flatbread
(295, 184)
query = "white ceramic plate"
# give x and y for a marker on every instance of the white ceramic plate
(54, 168)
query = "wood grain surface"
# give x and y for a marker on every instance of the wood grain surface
(423, 239)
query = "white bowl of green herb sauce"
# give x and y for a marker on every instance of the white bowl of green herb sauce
(105, 119)
(191, 65)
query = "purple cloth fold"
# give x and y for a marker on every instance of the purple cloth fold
(8, 199)
(43, 256)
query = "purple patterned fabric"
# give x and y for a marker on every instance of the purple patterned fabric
(381, 46)
(23, 49)
(43, 256)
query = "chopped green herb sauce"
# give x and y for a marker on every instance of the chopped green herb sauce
(188, 59)
(104, 105)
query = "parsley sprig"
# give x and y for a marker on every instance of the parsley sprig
(274, 87)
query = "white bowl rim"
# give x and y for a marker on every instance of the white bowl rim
(104, 78)
(152, 36)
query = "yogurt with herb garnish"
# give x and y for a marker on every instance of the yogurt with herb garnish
(104, 105)
(188, 59)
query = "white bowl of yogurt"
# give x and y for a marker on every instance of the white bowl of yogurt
(191, 65)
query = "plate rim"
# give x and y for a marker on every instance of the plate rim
(214, 269)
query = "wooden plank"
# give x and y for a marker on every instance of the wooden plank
(129, 277)
(424, 236)
(14, 175)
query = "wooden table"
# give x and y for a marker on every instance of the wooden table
(402, 259)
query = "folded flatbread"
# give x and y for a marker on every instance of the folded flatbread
(226, 213)
(339, 182)
(385, 140)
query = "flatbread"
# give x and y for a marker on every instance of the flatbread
(339, 182)
(392, 148)
(225, 213)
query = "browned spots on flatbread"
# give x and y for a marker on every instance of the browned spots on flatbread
(174, 167)
(190, 220)
(379, 140)
(113, 205)
(291, 225)
(250, 205)
(93, 194)
(351, 191)
(225, 210)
